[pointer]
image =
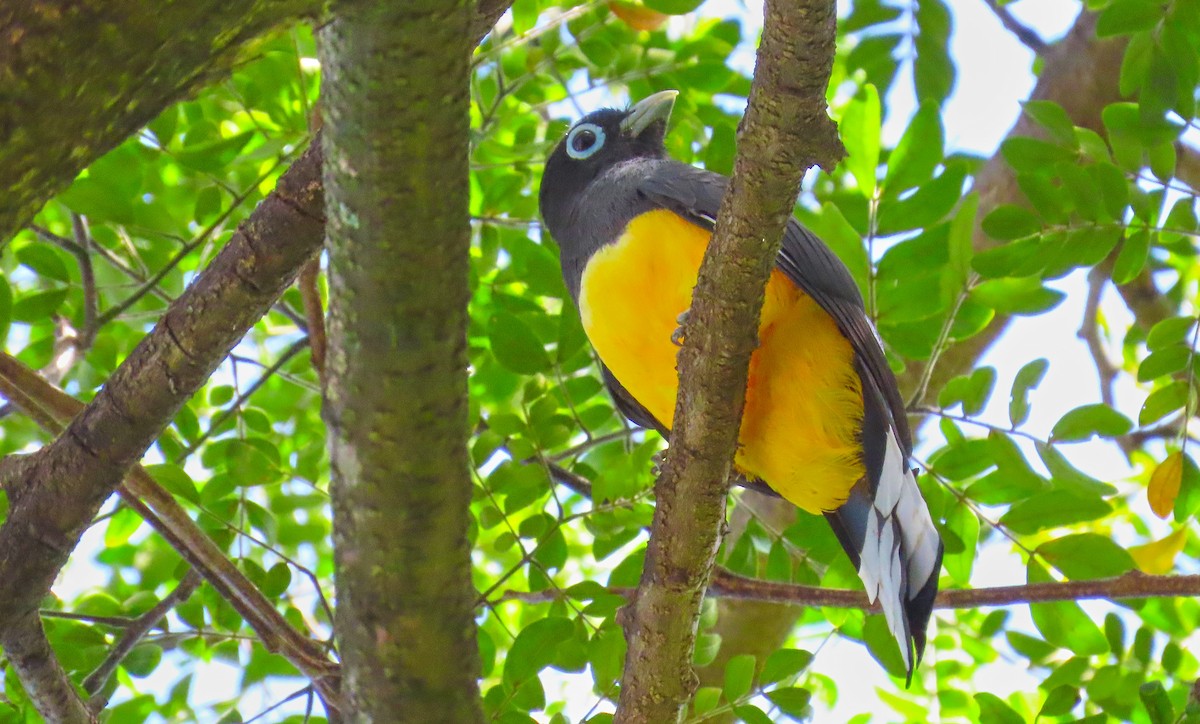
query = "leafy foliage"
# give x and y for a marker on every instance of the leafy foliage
(563, 493)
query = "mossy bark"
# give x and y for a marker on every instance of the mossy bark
(77, 78)
(395, 99)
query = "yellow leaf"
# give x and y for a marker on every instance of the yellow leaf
(1158, 557)
(637, 17)
(1164, 485)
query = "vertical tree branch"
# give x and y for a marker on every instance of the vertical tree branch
(395, 90)
(785, 131)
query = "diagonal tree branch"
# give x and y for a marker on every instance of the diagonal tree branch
(132, 634)
(61, 487)
(785, 131)
(44, 680)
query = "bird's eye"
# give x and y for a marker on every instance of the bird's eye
(584, 140)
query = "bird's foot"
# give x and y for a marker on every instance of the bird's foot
(677, 335)
(657, 462)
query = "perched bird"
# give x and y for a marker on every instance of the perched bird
(823, 425)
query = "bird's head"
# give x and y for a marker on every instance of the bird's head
(601, 140)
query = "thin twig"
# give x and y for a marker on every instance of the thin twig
(314, 313)
(87, 279)
(133, 633)
(1089, 332)
(1026, 35)
(225, 414)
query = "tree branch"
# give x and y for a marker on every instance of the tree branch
(24, 643)
(1026, 35)
(51, 408)
(132, 634)
(64, 484)
(124, 79)
(115, 83)
(785, 131)
(732, 587)
(399, 240)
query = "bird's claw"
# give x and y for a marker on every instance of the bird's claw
(657, 462)
(677, 335)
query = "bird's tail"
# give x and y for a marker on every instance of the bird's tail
(886, 529)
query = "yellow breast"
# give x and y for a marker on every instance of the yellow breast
(803, 408)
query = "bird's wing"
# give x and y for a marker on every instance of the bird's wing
(885, 525)
(696, 195)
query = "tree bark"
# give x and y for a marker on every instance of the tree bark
(785, 131)
(395, 90)
(78, 78)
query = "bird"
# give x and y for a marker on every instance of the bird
(823, 426)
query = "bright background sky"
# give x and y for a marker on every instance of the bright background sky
(994, 75)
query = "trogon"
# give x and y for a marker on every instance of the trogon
(823, 425)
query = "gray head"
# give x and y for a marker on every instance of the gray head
(596, 143)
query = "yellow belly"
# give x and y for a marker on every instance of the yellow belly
(803, 407)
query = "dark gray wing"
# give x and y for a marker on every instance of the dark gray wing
(628, 406)
(885, 525)
(696, 195)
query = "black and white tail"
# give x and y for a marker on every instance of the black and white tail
(886, 529)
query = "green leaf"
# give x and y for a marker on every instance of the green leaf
(1009, 222)
(1060, 701)
(1064, 623)
(791, 700)
(6, 309)
(1166, 361)
(707, 647)
(1032, 155)
(673, 7)
(927, 205)
(1051, 116)
(1135, 251)
(961, 242)
(1158, 704)
(142, 660)
(1087, 420)
(918, 153)
(751, 714)
(1053, 509)
(860, 134)
(1021, 295)
(963, 523)
(1068, 477)
(784, 664)
(1172, 330)
(1163, 401)
(515, 345)
(739, 677)
(1124, 17)
(971, 390)
(43, 261)
(705, 700)
(1027, 378)
(535, 647)
(995, 710)
(833, 228)
(175, 479)
(1086, 555)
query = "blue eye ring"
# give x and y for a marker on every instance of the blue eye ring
(584, 140)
